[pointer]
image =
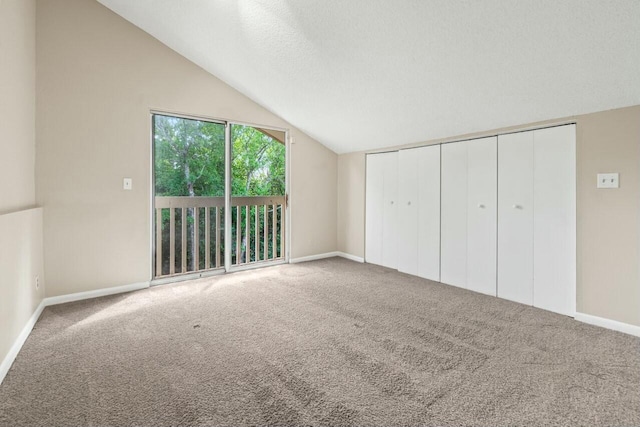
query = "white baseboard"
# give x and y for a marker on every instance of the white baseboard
(609, 324)
(313, 257)
(351, 257)
(20, 340)
(326, 255)
(61, 299)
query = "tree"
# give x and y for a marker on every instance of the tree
(189, 157)
(258, 167)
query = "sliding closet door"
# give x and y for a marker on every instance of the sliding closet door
(482, 192)
(408, 183)
(429, 212)
(381, 239)
(419, 212)
(515, 217)
(374, 208)
(555, 219)
(390, 211)
(453, 246)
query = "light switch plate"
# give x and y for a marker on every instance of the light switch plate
(127, 183)
(608, 180)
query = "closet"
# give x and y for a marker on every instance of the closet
(495, 215)
(419, 212)
(381, 236)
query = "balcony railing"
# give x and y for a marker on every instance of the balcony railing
(190, 233)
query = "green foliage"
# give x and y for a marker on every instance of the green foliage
(258, 167)
(189, 160)
(189, 157)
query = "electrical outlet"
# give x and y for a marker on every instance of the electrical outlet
(37, 282)
(608, 180)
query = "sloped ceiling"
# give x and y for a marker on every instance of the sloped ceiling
(365, 74)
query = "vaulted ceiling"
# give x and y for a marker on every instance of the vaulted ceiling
(365, 74)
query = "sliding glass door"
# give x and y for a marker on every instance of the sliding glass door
(197, 192)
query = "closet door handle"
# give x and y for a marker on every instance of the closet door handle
(481, 206)
(409, 203)
(392, 202)
(517, 206)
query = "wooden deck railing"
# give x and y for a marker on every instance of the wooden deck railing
(191, 229)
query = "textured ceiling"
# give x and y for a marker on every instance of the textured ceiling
(365, 74)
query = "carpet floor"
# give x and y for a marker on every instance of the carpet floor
(328, 342)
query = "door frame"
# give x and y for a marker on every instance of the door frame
(227, 268)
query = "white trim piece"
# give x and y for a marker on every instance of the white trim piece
(625, 328)
(351, 257)
(326, 255)
(61, 299)
(313, 257)
(20, 340)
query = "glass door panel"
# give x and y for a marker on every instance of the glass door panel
(189, 182)
(258, 195)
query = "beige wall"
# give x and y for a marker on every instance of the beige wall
(608, 222)
(17, 104)
(98, 77)
(351, 186)
(20, 226)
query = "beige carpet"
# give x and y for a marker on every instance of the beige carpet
(329, 342)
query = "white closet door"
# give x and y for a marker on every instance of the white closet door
(554, 238)
(408, 184)
(390, 211)
(374, 208)
(515, 217)
(453, 250)
(428, 212)
(482, 192)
